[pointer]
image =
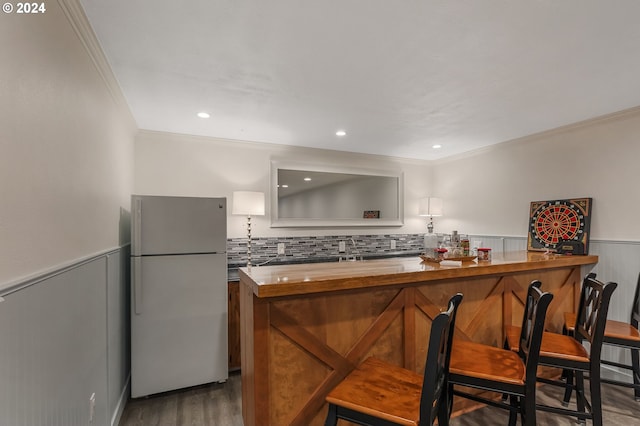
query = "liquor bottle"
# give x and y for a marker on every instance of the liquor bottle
(464, 243)
(455, 239)
(430, 244)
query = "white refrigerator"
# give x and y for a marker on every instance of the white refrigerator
(178, 293)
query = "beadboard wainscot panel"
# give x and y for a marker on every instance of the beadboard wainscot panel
(118, 332)
(496, 244)
(62, 341)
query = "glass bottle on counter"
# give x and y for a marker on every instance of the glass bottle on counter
(453, 245)
(464, 243)
(430, 243)
(455, 239)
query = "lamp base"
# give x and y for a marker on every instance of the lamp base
(248, 241)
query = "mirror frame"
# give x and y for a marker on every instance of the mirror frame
(277, 222)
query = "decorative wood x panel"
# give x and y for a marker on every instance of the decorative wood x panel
(406, 304)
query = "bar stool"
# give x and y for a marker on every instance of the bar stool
(377, 393)
(568, 353)
(500, 370)
(621, 334)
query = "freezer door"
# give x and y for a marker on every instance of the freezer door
(178, 225)
(178, 322)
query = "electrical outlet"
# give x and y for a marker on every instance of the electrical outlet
(342, 247)
(280, 248)
(92, 407)
(393, 244)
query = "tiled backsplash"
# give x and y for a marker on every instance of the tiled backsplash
(300, 248)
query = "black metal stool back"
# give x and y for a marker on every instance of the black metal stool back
(532, 330)
(635, 310)
(436, 369)
(592, 313)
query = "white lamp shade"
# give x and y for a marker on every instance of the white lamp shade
(430, 206)
(248, 203)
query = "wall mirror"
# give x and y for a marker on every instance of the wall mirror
(306, 195)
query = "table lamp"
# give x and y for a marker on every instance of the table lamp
(431, 207)
(248, 203)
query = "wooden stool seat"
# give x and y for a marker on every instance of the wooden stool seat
(555, 346)
(613, 330)
(486, 362)
(381, 390)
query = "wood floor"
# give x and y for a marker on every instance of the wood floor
(207, 405)
(221, 405)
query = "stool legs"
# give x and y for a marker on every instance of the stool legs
(635, 371)
(578, 384)
(513, 415)
(596, 399)
(580, 398)
(567, 375)
(332, 416)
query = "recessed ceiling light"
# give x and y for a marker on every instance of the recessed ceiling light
(307, 179)
(203, 114)
(341, 133)
(285, 186)
(436, 146)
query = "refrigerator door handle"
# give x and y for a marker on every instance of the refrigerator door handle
(137, 227)
(136, 270)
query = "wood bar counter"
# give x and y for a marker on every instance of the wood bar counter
(305, 326)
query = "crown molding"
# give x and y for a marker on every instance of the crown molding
(632, 112)
(78, 19)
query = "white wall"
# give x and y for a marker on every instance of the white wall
(489, 192)
(172, 164)
(66, 175)
(66, 162)
(485, 193)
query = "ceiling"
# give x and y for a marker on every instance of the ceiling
(397, 76)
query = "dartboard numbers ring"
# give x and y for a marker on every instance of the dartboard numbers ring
(557, 221)
(562, 226)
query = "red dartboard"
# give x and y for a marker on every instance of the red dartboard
(553, 224)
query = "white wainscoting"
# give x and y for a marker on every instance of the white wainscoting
(499, 244)
(63, 338)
